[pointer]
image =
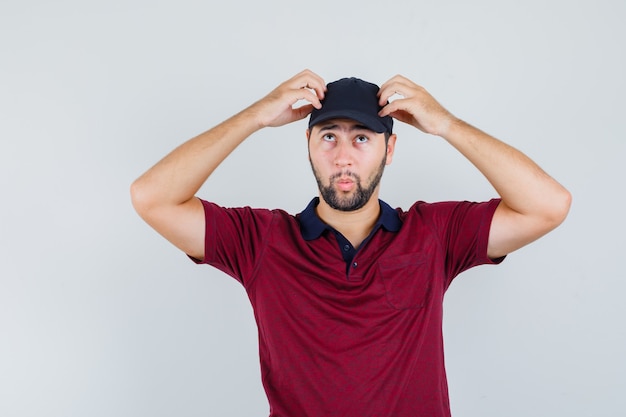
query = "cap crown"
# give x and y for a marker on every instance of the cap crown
(355, 99)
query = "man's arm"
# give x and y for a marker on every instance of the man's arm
(533, 203)
(165, 195)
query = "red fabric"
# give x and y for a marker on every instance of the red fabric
(363, 343)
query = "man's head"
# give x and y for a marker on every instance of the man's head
(349, 144)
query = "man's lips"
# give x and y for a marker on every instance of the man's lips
(344, 184)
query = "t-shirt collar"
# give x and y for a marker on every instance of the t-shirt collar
(312, 227)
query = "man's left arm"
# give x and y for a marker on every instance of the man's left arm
(533, 203)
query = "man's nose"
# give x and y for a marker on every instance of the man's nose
(343, 154)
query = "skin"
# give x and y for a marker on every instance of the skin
(532, 204)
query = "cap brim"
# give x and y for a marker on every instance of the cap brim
(372, 123)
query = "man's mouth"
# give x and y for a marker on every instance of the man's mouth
(345, 183)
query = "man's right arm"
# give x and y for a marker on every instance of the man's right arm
(164, 196)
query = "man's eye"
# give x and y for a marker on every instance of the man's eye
(361, 139)
(328, 137)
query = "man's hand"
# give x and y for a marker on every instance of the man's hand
(416, 107)
(276, 109)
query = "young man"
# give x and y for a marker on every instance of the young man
(348, 294)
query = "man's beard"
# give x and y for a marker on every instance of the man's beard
(360, 196)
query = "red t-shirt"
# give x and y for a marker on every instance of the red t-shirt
(355, 339)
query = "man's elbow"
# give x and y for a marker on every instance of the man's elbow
(140, 197)
(560, 204)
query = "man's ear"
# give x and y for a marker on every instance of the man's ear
(308, 135)
(391, 147)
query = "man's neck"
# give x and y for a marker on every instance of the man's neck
(353, 225)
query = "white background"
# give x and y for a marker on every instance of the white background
(100, 316)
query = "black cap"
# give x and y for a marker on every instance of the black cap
(355, 99)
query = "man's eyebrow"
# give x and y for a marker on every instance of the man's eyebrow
(327, 127)
(324, 128)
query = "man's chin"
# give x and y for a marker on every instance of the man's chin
(345, 205)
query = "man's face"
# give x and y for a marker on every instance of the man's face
(348, 161)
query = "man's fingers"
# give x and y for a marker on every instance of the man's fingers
(306, 94)
(394, 106)
(308, 80)
(396, 85)
(277, 108)
(391, 90)
(302, 112)
(387, 109)
(396, 79)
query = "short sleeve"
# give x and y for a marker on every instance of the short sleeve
(235, 238)
(463, 229)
